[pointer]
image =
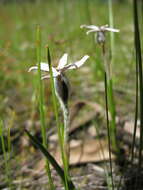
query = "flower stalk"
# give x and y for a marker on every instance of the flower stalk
(59, 126)
(109, 99)
(101, 40)
(60, 89)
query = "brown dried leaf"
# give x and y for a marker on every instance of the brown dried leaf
(83, 112)
(91, 150)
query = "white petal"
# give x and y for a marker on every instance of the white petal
(78, 63)
(63, 61)
(89, 31)
(92, 27)
(104, 27)
(32, 68)
(44, 66)
(55, 72)
(112, 29)
(45, 77)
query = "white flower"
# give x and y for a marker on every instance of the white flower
(100, 31)
(93, 28)
(62, 66)
(60, 80)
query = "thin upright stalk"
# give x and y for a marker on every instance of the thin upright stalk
(6, 156)
(107, 109)
(9, 155)
(103, 154)
(108, 128)
(139, 62)
(41, 107)
(60, 128)
(9, 141)
(112, 106)
(136, 115)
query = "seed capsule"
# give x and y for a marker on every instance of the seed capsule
(100, 37)
(62, 88)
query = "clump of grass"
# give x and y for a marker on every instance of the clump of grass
(6, 154)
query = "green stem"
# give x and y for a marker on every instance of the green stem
(108, 127)
(60, 128)
(112, 106)
(136, 115)
(139, 62)
(109, 130)
(41, 107)
(6, 161)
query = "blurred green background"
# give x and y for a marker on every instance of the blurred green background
(60, 27)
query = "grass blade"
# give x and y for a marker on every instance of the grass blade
(41, 105)
(51, 160)
(139, 62)
(108, 127)
(60, 128)
(136, 115)
(6, 156)
(112, 106)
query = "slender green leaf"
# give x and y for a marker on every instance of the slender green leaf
(139, 63)
(60, 128)
(41, 104)
(51, 160)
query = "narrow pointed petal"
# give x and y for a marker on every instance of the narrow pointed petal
(44, 66)
(89, 31)
(78, 63)
(45, 77)
(82, 61)
(63, 61)
(92, 27)
(32, 68)
(112, 29)
(55, 72)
